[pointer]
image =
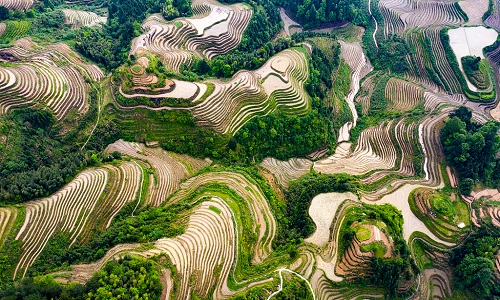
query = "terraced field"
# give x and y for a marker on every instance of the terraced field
(15, 29)
(262, 218)
(206, 255)
(17, 4)
(87, 203)
(203, 35)
(80, 18)
(401, 15)
(208, 245)
(403, 95)
(286, 171)
(278, 85)
(378, 148)
(7, 217)
(169, 169)
(53, 76)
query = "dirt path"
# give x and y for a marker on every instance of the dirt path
(288, 22)
(376, 23)
(98, 116)
(280, 286)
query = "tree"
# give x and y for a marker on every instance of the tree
(475, 273)
(4, 13)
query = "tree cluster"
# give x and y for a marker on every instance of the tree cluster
(36, 162)
(280, 136)
(110, 45)
(176, 8)
(300, 194)
(471, 148)
(474, 263)
(148, 225)
(125, 278)
(315, 12)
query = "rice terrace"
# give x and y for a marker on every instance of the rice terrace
(249, 149)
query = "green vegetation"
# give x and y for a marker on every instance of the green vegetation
(440, 214)
(471, 149)
(362, 233)
(281, 137)
(443, 206)
(126, 278)
(387, 272)
(301, 192)
(15, 30)
(149, 225)
(474, 263)
(314, 12)
(175, 130)
(391, 55)
(377, 248)
(477, 71)
(176, 8)
(36, 160)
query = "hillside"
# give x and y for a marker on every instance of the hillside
(263, 149)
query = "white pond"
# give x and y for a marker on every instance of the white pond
(471, 41)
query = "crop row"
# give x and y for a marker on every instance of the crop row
(80, 18)
(178, 41)
(53, 76)
(168, 171)
(403, 95)
(259, 92)
(86, 204)
(286, 171)
(17, 4)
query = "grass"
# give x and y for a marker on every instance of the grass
(462, 212)
(362, 233)
(136, 68)
(443, 206)
(15, 29)
(214, 209)
(421, 258)
(377, 248)
(177, 24)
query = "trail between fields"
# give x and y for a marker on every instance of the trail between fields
(140, 188)
(98, 117)
(375, 20)
(280, 287)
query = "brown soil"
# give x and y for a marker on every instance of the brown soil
(272, 181)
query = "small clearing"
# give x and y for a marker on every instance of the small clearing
(322, 210)
(464, 41)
